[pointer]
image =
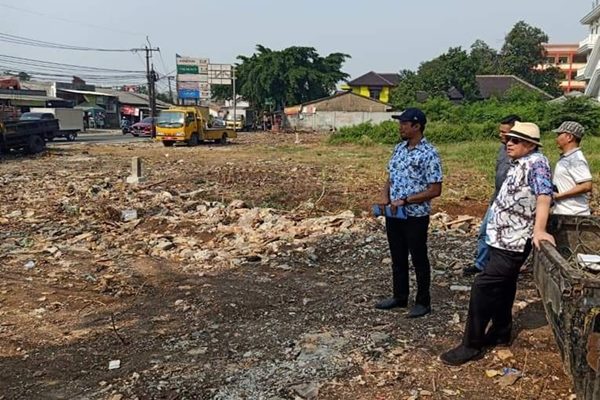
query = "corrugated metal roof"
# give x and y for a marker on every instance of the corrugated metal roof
(22, 97)
(136, 99)
(86, 92)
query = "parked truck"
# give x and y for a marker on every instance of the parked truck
(189, 124)
(568, 279)
(30, 136)
(70, 120)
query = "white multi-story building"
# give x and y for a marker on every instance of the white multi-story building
(590, 47)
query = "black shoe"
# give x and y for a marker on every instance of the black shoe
(472, 270)
(418, 310)
(494, 340)
(391, 303)
(460, 355)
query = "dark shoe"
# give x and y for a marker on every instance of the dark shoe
(472, 270)
(390, 303)
(460, 355)
(418, 310)
(494, 340)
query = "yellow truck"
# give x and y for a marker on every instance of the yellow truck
(189, 124)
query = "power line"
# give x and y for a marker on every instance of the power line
(62, 66)
(103, 28)
(5, 37)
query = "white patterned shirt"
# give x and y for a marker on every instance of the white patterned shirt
(513, 212)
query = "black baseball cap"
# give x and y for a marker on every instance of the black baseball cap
(411, 115)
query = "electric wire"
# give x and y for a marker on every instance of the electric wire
(5, 37)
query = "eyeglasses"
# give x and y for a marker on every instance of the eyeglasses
(515, 140)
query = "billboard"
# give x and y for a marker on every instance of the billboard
(192, 75)
(219, 74)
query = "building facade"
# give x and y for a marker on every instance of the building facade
(374, 85)
(568, 60)
(590, 47)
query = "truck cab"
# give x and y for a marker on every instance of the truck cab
(188, 124)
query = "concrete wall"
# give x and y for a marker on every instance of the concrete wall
(330, 120)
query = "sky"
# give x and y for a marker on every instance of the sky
(379, 35)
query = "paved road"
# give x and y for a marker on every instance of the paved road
(104, 136)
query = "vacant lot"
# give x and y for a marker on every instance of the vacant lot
(245, 271)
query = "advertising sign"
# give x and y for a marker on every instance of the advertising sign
(187, 69)
(188, 94)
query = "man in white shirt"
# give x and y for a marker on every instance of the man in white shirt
(572, 178)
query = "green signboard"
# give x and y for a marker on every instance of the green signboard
(187, 69)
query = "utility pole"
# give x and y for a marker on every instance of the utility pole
(170, 78)
(234, 98)
(152, 77)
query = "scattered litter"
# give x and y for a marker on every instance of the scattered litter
(460, 288)
(589, 261)
(129, 215)
(509, 377)
(29, 264)
(114, 364)
(504, 354)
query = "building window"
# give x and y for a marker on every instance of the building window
(374, 93)
(563, 60)
(551, 60)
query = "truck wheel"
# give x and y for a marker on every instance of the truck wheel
(70, 137)
(194, 140)
(223, 139)
(35, 144)
(168, 143)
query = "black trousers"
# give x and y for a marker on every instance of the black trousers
(409, 236)
(492, 297)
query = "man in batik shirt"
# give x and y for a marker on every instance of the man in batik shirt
(415, 177)
(518, 217)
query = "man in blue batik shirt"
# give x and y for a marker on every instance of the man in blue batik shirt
(415, 177)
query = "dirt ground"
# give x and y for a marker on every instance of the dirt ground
(242, 276)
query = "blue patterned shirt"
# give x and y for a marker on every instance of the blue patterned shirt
(512, 217)
(411, 172)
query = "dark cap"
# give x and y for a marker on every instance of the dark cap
(411, 115)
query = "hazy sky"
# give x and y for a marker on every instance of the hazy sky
(384, 36)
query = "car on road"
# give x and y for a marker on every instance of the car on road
(70, 135)
(217, 123)
(143, 128)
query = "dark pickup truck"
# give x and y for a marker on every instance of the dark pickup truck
(30, 136)
(568, 279)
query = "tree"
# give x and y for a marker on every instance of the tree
(485, 58)
(405, 93)
(453, 69)
(221, 92)
(523, 55)
(24, 76)
(291, 76)
(164, 97)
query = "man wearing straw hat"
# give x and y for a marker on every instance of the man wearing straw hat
(518, 218)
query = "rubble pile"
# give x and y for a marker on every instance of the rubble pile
(113, 290)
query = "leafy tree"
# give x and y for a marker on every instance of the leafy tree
(24, 76)
(290, 76)
(405, 93)
(164, 97)
(523, 53)
(451, 69)
(221, 92)
(485, 58)
(581, 109)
